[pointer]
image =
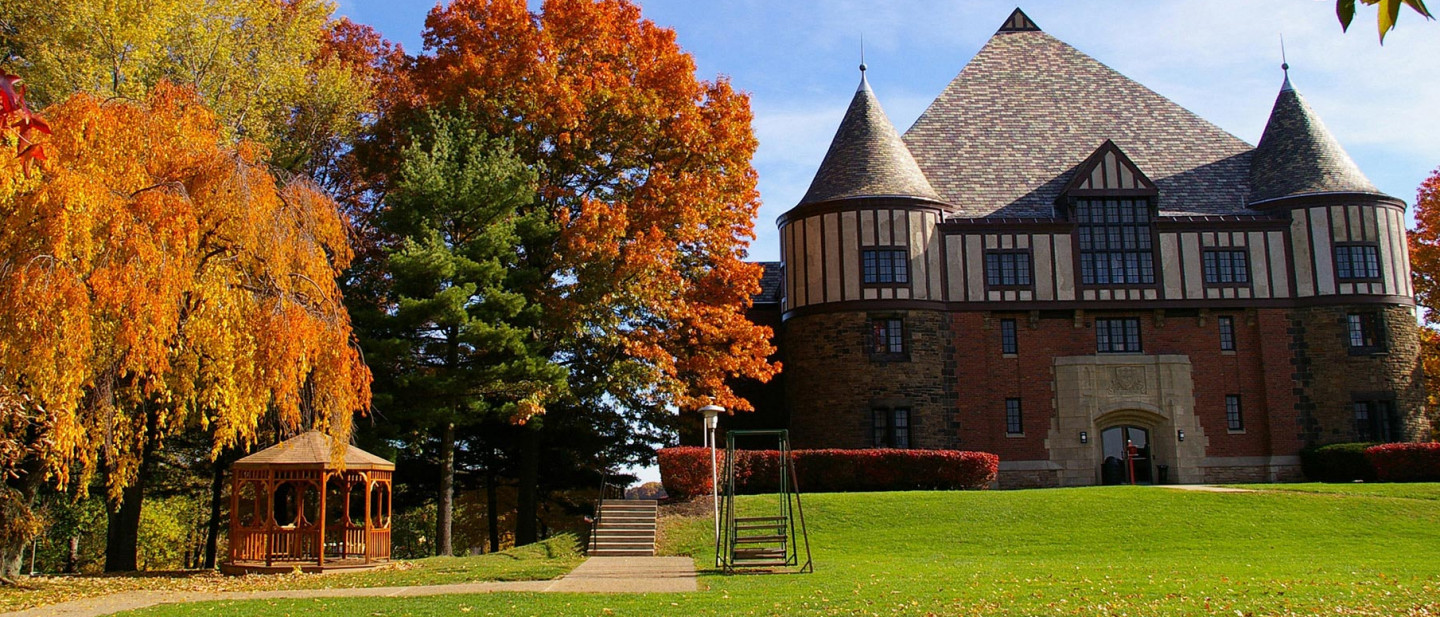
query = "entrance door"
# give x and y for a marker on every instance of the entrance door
(1115, 468)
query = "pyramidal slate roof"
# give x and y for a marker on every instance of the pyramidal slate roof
(313, 448)
(867, 157)
(1298, 156)
(1007, 133)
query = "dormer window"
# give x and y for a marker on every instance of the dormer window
(1115, 245)
(1112, 204)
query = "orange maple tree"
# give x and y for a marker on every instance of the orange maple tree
(646, 170)
(1424, 243)
(155, 274)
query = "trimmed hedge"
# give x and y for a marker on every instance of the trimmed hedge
(1405, 462)
(1337, 462)
(685, 472)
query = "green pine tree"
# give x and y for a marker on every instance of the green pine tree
(457, 335)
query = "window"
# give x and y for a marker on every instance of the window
(1014, 423)
(1007, 269)
(1227, 333)
(1117, 335)
(1008, 342)
(1234, 419)
(1115, 246)
(885, 266)
(892, 427)
(1364, 333)
(1377, 421)
(887, 336)
(1357, 262)
(1226, 268)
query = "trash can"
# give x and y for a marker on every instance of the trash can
(1164, 474)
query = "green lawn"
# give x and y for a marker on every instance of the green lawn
(1090, 551)
(545, 560)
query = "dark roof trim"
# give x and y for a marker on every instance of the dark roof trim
(1309, 200)
(849, 204)
(1092, 306)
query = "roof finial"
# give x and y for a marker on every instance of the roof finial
(862, 53)
(1284, 65)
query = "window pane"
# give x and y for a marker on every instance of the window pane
(1227, 333)
(1008, 342)
(902, 428)
(1014, 423)
(881, 429)
(1233, 420)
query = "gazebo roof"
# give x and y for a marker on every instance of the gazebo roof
(313, 449)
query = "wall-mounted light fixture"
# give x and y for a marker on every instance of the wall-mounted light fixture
(1084, 437)
(1180, 434)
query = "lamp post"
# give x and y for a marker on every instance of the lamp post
(712, 418)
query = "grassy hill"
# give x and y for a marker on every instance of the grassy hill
(1090, 551)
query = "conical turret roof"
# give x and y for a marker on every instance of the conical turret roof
(1298, 156)
(867, 158)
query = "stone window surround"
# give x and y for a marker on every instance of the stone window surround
(870, 345)
(1363, 323)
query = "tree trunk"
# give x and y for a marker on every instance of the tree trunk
(528, 500)
(492, 501)
(217, 495)
(21, 493)
(446, 510)
(72, 558)
(122, 535)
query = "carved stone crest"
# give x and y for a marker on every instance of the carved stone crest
(1127, 380)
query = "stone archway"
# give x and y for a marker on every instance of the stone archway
(1093, 393)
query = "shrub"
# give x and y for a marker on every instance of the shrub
(1405, 462)
(1337, 462)
(685, 472)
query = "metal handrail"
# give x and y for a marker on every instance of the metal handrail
(606, 489)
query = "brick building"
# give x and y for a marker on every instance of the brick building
(1055, 261)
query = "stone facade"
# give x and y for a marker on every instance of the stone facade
(833, 381)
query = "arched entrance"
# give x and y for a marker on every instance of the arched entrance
(1119, 462)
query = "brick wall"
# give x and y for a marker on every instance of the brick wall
(987, 377)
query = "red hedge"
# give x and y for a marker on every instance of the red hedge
(685, 472)
(1405, 462)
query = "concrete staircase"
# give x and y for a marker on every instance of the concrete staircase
(624, 528)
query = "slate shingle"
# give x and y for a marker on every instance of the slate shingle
(867, 158)
(1005, 136)
(1298, 156)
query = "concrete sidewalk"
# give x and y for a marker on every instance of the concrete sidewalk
(594, 575)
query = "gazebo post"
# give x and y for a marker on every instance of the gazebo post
(345, 527)
(367, 517)
(269, 515)
(234, 514)
(320, 514)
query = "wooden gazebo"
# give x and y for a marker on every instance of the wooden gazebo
(294, 505)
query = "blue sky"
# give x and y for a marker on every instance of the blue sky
(1218, 58)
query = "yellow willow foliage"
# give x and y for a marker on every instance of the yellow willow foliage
(153, 276)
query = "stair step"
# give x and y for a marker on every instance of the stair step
(758, 519)
(625, 546)
(613, 553)
(602, 531)
(760, 539)
(759, 527)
